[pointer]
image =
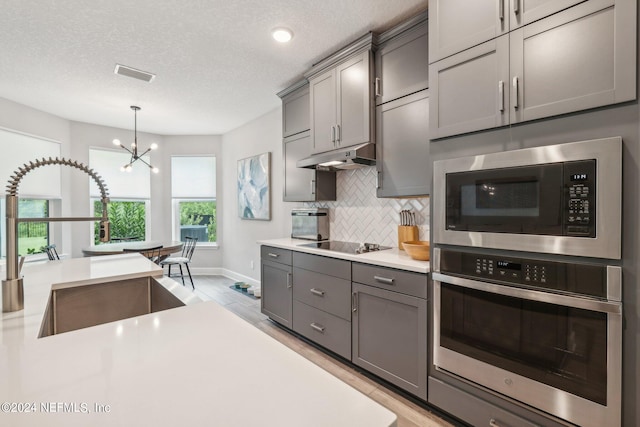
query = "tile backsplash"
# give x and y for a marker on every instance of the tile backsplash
(359, 216)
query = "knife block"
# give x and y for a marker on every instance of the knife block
(407, 233)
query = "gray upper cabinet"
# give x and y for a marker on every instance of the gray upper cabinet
(576, 59)
(470, 90)
(301, 185)
(304, 185)
(402, 63)
(456, 25)
(402, 111)
(402, 150)
(523, 12)
(341, 98)
(295, 111)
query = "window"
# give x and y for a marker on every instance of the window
(193, 191)
(129, 194)
(37, 188)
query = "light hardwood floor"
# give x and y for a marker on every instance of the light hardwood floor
(409, 413)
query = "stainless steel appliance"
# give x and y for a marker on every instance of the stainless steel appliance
(561, 199)
(544, 332)
(354, 157)
(310, 223)
(516, 312)
(346, 247)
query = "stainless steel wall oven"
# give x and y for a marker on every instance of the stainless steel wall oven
(527, 300)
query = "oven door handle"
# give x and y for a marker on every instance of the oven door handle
(533, 295)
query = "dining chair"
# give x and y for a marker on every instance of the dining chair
(153, 254)
(52, 253)
(184, 259)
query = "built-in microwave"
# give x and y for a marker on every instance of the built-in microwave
(562, 199)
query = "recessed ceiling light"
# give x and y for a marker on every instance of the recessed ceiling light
(282, 34)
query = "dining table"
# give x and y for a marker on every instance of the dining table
(168, 247)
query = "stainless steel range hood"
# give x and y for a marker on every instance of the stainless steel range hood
(354, 157)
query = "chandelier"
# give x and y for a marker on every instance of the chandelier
(134, 146)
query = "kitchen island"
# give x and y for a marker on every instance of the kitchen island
(194, 365)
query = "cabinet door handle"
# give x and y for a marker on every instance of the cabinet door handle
(333, 135)
(318, 292)
(272, 255)
(385, 280)
(501, 9)
(378, 179)
(516, 6)
(289, 277)
(354, 302)
(338, 134)
(493, 423)
(317, 327)
(313, 186)
(377, 87)
(501, 95)
(515, 92)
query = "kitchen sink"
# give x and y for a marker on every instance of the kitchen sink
(72, 308)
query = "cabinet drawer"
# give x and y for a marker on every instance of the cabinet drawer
(405, 282)
(320, 264)
(325, 329)
(283, 256)
(471, 409)
(327, 293)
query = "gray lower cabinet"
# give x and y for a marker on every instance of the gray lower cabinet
(579, 58)
(276, 284)
(322, 301)
(402, 148)
(304, 185)
(390, 325)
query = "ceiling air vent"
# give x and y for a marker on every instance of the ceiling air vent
(123, 70)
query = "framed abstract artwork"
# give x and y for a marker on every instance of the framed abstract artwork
(254, 193)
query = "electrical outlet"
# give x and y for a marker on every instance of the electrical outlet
(251, 264)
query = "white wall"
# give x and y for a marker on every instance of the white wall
(239, 236)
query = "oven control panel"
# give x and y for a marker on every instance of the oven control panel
(580, 195)
(579, 278)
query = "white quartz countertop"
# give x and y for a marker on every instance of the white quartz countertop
(393, 257)
(197, 365)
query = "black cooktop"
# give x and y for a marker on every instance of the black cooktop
(346, 247)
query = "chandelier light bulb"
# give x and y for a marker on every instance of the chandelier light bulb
(135, 156)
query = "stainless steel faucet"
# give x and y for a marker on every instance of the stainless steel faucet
(12, 287)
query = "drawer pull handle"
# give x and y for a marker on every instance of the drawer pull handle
(385, 280)
(272, 255)
(493, 423)
(317, 327)
(317, 292)
(354, 302)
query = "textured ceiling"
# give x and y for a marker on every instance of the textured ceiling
(217, 66)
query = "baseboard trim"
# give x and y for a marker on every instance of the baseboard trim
(219, 271)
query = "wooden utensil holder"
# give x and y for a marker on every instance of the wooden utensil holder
(407, 233)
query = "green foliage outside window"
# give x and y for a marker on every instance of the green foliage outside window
(200, 213)
(32, 236)
(127, 220)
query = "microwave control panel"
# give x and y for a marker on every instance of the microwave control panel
(580, 197)
(575, 278)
